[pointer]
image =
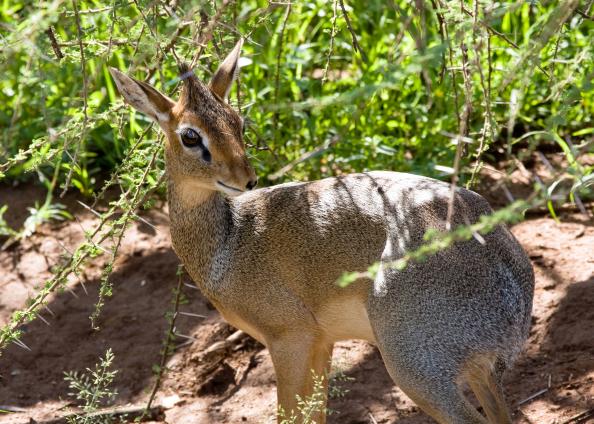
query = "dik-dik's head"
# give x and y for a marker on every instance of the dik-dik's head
(204, 146)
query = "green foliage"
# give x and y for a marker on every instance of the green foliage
(43, 213)
(435, 88)
(307, 408)
(437, 241)
(388, 108)
(93, 390)
(5, 229)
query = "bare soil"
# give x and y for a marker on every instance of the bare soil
(552, 382)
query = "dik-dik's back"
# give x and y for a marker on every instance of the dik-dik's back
(269, 260)
(288, 245)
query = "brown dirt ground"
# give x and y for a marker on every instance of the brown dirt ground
(557, 366)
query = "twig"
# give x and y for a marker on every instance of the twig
(579, 417)
(83, 66)
(502, 36)
(100, 10)
(116, 173)
(463, 130)
(303, 158)
(356, 45)
(488, 121)
(9, 408)
(54, 42)
(281, 38)
(122, 223)
(584, 15)
(225, 344)
(168, 339)
(111, 31)
(332, 37)
(208, 32)
(533, 396)
(442, 34)
(190, 314)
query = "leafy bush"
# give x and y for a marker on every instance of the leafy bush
(327, 87)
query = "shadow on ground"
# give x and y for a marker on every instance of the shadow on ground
(132, 323)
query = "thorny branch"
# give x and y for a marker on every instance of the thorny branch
(356, 45)
(83, 66)
(278, 63)
(168, 338)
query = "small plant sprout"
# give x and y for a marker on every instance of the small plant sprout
(93, 390)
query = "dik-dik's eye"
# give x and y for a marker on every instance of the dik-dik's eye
(192, 139)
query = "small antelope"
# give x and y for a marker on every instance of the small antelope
(269, 259)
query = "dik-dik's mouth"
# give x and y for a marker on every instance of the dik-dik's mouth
(232, 191)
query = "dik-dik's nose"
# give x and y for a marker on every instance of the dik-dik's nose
(251, 184)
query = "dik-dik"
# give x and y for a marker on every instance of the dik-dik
(269, 260)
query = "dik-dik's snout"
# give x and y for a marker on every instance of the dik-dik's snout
(252, 178)
(238, 179)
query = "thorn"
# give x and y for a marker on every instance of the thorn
(82, 283)
(49, 310)
(183, 336)
(507, 193)
(191, 286)
(546, 162)
(186, 343)
(73, 294)
(22, 345)
(64, 247)
(12, 408)
(43, 319)
(189, 314)
(578, 202)
(479, 238)
(535, 395)
(89, 208)
(145, 221)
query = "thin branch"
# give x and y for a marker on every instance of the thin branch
(356, 45)
(463, 131)
(111, 31)
(168, 338)
(83, 66)
(208, 32)
(332, 37)
(54, 42)
(278, 64)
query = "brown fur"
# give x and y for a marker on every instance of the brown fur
(483, 378)
(269, 260)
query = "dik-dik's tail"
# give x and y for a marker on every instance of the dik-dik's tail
(484, 375)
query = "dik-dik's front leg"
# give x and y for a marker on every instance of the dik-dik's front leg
(300, 358)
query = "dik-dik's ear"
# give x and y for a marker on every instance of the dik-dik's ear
(143, 97)
(225, 76)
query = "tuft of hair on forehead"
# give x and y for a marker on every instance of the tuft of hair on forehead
(193, 91)
(186, 73)
(200, 99)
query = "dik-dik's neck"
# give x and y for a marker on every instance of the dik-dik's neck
(201, 223)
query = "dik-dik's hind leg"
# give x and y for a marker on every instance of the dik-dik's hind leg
(439, 397)
(298, 360)
(447, 405)
(431, 382)
(484, 375)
